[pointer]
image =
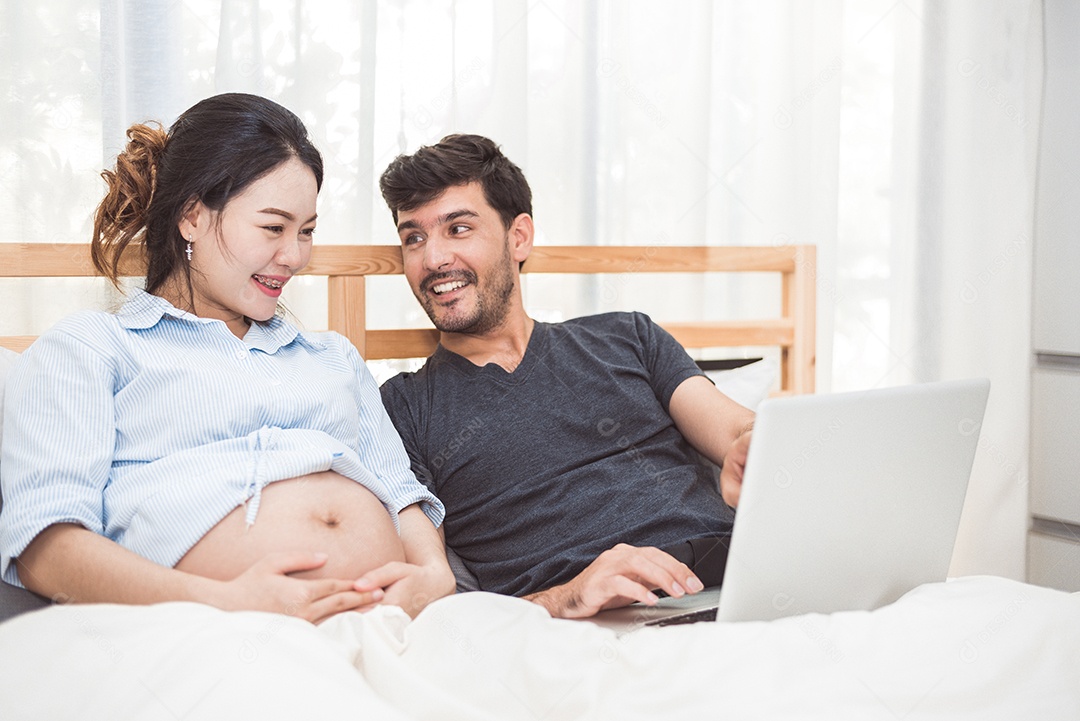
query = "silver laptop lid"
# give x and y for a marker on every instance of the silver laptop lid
(850, 500)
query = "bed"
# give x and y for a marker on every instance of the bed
(973, 647)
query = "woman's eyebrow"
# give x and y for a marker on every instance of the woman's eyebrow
(286, 214)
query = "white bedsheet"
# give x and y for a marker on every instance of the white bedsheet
(979, 648)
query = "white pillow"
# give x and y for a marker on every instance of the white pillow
(750, 384)
(7, 359)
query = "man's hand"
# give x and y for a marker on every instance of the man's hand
(408, 585)
(731, 475)
(618, 577)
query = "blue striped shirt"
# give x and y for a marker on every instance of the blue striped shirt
(151, 424)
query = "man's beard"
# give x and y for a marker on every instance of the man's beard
(492, 301)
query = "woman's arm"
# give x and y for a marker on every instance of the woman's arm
(424, 577)
(71, 564)
(59, 444)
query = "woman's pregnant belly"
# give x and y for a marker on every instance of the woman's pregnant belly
(321, 512)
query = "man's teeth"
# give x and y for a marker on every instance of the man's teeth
(268, 282)
(447, 287)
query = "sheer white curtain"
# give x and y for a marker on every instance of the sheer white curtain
(962, 239)
(898, 137)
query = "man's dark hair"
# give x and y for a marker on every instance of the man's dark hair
(413, 180)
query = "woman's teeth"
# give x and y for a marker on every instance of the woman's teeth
(268, 282)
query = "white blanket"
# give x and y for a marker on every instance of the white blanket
(979, 648)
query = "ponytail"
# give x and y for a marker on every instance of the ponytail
(121, 217)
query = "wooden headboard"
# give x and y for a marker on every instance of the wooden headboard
(348, 266)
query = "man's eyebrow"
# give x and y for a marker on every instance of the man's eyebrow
(286, 214)
(454, 215)
(442, 219)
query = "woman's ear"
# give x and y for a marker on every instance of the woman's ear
(521, 237)
(195, 219)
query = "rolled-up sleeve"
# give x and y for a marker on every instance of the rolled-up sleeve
(383, 453)
(59, 438)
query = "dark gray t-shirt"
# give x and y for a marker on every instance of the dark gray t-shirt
(544, 468)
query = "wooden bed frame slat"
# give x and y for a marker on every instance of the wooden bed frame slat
(17, 343)
(653, 259)
(347, 307)
(347, 267)
(40, 260)
(798, 360)
(404, 343)
(772, 331)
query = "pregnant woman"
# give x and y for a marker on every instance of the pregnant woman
(194, 445)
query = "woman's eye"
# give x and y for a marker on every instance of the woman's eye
(308, 232)
(274, 228)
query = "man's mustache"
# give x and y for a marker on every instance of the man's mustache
(435, 278)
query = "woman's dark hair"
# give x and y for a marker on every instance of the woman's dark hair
(413, 180)
(214, 151)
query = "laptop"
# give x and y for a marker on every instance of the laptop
(849, 501)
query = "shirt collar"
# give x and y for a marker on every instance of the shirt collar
(144, 310)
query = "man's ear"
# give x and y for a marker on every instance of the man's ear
(195, 220)
(521, 237)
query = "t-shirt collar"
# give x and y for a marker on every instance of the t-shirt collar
(534, 350)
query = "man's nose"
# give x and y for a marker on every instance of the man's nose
(438, 253)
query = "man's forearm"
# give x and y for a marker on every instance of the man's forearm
(708, 419)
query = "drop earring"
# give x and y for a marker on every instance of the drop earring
(187, 250)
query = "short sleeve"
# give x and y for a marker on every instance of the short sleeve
(666, 361)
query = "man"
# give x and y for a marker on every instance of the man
(567, 453)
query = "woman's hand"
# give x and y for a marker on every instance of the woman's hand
(267, 586)
(408, 585)
(70, 564)
(424, 577)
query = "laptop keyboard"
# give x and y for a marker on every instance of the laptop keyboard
(704, 614)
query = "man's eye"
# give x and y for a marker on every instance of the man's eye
(458, 229)
(411, 239)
